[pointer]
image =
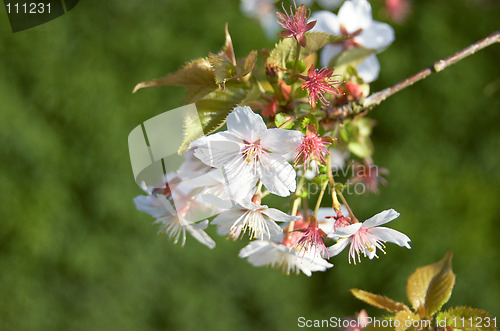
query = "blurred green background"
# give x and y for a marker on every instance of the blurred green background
(75, 254)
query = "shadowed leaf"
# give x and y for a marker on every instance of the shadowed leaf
(430, 287)
(285, 50)
(350, 59)
(379, 301)
(228, 51)
(473, 319)
(197, 76)
(212, 112)
(223, 69)
(247, 65)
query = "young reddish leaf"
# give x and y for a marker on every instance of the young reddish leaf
(197, 76)
(228, 51)
(404, 318)
(429, 287)
(466, 318)
(379, 301)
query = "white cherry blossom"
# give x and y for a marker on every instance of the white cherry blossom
(249, 151)
(368, 236)
(355, 19)
(268, 253)
(173, 223)
(259, 220)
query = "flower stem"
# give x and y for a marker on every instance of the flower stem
(297, 57)
(353, 218)
(266, 192)
(259, 187)
(336, 203)
(320, 198)
(295, 206)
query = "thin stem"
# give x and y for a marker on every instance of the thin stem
(336, 203)
(259, 187)
(297, 56)
(320, 198)
(355, 108)
(266, 192)
(353, 218)
(295, 206)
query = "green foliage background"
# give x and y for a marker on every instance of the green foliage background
(76, 255)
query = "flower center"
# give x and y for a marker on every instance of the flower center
(363, 242)
(253, 153)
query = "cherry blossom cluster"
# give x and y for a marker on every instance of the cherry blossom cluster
(253, 177)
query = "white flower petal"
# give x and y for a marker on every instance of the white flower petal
(329, 52)
(253, 248)
(245, 124)
(281, 141)
(346, 231)
(377, 36)
(278, 215)
(217, 149)
(278, 176)
(239, 179)
(308, 264)
(338, 247)
(219, 203)
(381, 218)
(264, 253)
(226, 219)
(368, 69)
(391, 235)
(355, 15)
(326, 22)
(201, 236)
(149, 204)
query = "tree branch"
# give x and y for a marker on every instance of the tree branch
(364, 105)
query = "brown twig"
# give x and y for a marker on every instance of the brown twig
(364, 105)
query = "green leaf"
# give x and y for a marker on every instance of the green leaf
(223, 69)
(197, 76)
(286, 49)
(405, 317)
(228, 51)
(247, 66)
(350, 58)
(379, 301)
(430, 287)
(362, 148)
(212, 112)
(473, 319)
(281, 118)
